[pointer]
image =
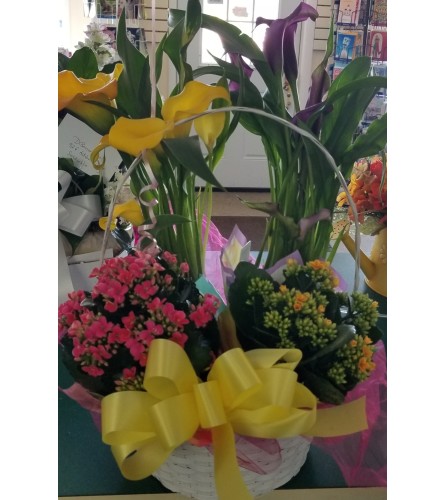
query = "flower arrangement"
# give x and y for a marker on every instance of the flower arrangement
(299, 306)
(146, 307)
(105, 334)
(368, 189)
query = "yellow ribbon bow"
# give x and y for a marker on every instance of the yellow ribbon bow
(253, 393)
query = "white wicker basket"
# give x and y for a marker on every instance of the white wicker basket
(189, 469)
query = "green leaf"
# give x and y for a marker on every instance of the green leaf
(160, 56)
(368, 144)
(192, 22)
(375, 334)
(340, 125)
(109, 68)
(187, 151)
(229, 126)
(164, 221)
(171, 44)
(198, 350)
(376, 82)
(83, 63)
(321, 387)
(134, 87)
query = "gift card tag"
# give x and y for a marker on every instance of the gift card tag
(77, 141)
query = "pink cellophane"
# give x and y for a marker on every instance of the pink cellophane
(362, 456)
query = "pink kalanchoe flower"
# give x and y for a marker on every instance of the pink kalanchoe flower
(146, 289)
(168, 279)
(200, 316)
(99, 329)
(119, 335)
(93, 370)
(137, 349)
(184, 267)
(129, 321)
(211, 303)
(169, 258)
(178, 318)
(179, 338)
(79, 349)
(76, 329)
(129, 373)
(154, 328)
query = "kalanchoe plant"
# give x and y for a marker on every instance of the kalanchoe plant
(335, 331)
(104, 335)
(301, 181)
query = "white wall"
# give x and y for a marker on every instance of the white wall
(72, 23)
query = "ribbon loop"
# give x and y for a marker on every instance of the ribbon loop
(237, 377)
(76, 213)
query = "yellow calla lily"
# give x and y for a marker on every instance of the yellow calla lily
(71, 87)
(195, 98)
(209, 127)
(134, 135)
(74, 94)
(130, 211)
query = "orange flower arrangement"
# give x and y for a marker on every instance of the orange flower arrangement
(368, 189)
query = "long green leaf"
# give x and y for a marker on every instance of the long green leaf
(376, 82)
(134, 87)
(370, 143)
(355, 70)
(187, 151)
(343, 111)
(163, 221)
(171, 44)
(192, 22)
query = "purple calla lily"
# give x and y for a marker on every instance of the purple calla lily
(239, 62)
(279, 48)
(320, 83)
(307, 222)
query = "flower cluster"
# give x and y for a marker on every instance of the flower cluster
(368, 189)
(100, 40)
(335, 331)
(105, 334)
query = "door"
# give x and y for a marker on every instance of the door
(244, 164)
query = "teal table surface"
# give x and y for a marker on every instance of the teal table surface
(87, 467)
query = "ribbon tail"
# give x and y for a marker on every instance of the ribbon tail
(340, 420)
(228, 480)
